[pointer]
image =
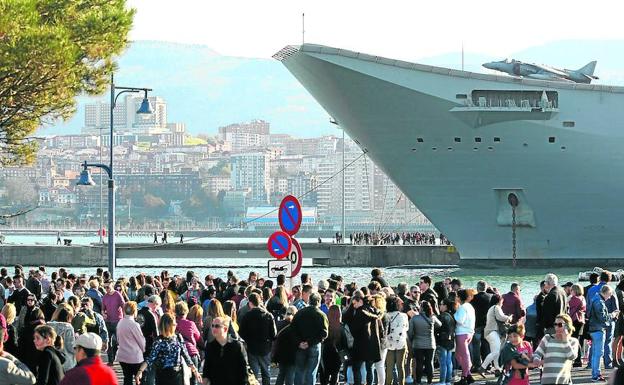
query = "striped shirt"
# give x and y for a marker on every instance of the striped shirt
(558, 357)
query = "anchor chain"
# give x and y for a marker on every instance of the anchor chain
(513, 202)
(513, 235)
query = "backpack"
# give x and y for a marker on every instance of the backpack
(92, 324)
(348, 336)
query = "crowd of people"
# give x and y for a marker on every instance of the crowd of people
(393, 238)
(182, 329)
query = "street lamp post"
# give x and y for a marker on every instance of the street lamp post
(85, 176)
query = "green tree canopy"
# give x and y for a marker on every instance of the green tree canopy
(50, 52)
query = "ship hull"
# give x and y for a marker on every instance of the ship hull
(458, 162)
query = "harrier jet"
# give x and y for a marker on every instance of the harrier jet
(584, 74)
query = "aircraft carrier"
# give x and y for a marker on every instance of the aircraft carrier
(459, 143)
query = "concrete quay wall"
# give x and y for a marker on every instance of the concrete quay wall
(384, 256)
(321, 254)
(35, 255)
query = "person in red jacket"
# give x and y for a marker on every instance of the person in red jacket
(90, 369)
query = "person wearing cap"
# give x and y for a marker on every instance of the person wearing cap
(12, 370)
(90, 369)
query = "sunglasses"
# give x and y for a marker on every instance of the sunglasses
(559, 324)
(216, 326)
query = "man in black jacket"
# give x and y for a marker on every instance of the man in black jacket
(427, 293)
(148, 318)
(226, 358)
(19, 295)
(310, 327)
(555, 303)
(257, 328)
(481, 302)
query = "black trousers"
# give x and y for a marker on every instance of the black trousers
(129, 371)
(424, 364)
(169, 376)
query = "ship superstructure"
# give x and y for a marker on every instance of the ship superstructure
(459, 143)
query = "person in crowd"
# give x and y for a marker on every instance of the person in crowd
(555, 303)
(190, 334)
(278, 303)
(302, 302)
(328, 300)
(332, 348)
(30, 317)
(481, 303)
(20, 294)
(362, 319)
(167, 354)
(94, 321)
(226, 358)
(493, 333)
(61, 323)
(95, 295)
(512, 304)
(377, 276)
(378, 302)
(149, 317)
(464, 330)
(285, 349)
(619, 325)
(50, 303)
(12, 370)
(310, 327)
(428, 294)
(89, 368)
(10, 334)
(576, 310)
(599, 319)
(112, 311)
(133, 288)
(130, 343)
(421, 337)
(614, 312)
(50, 360)
(517, 365)
(445, 340)
(229, 308)
(257, 329)
(397, 325)
(196, 315)
(215, 309)
(555, 354)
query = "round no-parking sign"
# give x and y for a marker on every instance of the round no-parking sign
(279, 244)
(290, 215)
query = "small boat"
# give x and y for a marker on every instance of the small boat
(615, 275)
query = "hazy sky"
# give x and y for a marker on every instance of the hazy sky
(407, 29)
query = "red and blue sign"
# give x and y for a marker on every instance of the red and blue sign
(290, 215)
(279, 244)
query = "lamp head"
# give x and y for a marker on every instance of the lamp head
(85, 178)
(146, 107)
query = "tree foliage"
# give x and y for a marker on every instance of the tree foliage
(50, 52)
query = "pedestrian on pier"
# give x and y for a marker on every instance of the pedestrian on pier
(155, 238)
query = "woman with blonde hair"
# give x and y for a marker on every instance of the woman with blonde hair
(131, 343)
(278, 303)
(196, 314)
(189, 332)
(167, 354)
(556, 353)
(61, 323)
(9, 313)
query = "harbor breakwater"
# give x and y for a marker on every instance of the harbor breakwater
(323, 254)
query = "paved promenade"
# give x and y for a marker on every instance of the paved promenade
(580, 376)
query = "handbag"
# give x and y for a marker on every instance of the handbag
(186, 370)
(503, 327)
(251, 377)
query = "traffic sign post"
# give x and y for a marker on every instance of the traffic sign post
(279, 244)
